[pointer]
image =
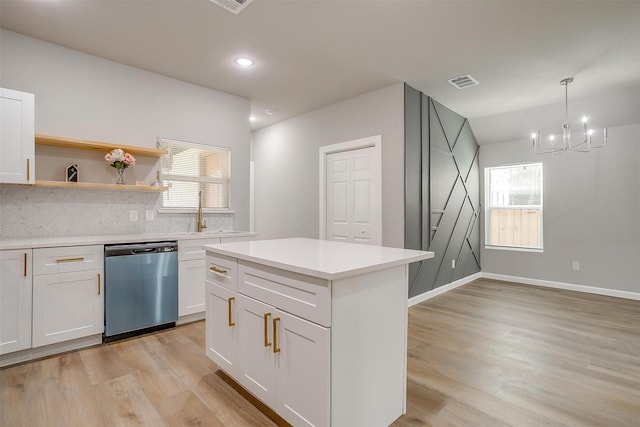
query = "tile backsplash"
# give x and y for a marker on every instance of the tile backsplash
(30, 212)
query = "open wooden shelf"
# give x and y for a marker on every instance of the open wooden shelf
(96, 186)
(58, 141)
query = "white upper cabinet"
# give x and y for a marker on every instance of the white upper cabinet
(17, 130)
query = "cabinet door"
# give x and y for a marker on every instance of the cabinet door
(257, 358)
(15, 301)
(67, 306)
(222, 327)
(191, 291)
(303, 370)
(17, 144)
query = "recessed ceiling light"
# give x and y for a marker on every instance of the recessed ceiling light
(270, 111)
(244, 62)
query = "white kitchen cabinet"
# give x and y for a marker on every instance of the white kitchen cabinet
(17, 130)
(191, 273)
(222, 334)
(281, 359)
(15, 300)
(68, 297)
(191, 277)
(322, 327)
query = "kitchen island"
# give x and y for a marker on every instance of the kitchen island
(317, 330)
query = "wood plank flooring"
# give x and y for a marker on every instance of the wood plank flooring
(494, 353)
(488, 354)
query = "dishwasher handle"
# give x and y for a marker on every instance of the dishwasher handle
(143, 251)
(140, 248)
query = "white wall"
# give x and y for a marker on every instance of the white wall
(286, 158)
(83, 96)
(591, 214)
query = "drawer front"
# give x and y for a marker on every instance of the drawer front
(192, 248)
(304, 296)
(67, 259)
(222, 270)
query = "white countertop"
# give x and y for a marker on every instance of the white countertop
(320, 258)
(116, 238)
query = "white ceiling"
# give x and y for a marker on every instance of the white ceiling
(311, 53)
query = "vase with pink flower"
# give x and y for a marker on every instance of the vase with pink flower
(120, 160)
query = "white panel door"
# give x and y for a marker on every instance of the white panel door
(67, 306)
(17, 143)
(222, 334)
(191, 294)
(303, 369)
(257, 369)
(15, 300)
(353, 204)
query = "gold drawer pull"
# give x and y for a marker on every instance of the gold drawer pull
(28, 170)
(98, 283)
(276, 349)
(218, 270)
(25, 265)
(229, 303)
(77, 259)
(266, 329)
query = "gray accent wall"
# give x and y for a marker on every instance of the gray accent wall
(442, 193)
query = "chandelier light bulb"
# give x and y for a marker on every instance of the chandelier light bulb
(584, 119)
(590, 132)
(533, 135)
(552, 137)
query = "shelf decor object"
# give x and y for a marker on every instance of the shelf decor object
(71, 173)
(120, 160)
(550, 147)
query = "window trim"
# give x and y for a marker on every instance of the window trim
(189, 210)
(488, 207)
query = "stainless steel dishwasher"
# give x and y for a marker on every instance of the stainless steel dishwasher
(141, 288)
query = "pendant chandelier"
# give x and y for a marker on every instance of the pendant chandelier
(550, 144)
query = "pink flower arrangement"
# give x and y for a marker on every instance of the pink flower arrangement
(118, 159)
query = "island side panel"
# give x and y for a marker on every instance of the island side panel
(369, 348)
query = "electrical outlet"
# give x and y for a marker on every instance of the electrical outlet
(575, 266)
(453, 263)
(133, 215)
(148, 215)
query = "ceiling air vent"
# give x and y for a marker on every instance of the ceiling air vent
(463, 82)
(234, 6)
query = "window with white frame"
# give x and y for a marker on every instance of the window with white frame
(188, 169)
(513, 206)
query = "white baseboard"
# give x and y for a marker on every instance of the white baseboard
(442, 289)
(562, 285)
(48, 350)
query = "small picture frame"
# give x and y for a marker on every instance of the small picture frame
(71, 173)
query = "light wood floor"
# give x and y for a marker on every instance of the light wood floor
(488, 353)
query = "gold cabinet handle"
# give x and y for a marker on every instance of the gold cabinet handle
(266, 329)
(229, 303)
(218, 270)
(28, 170)
(98, 283)
(25, 265)
(77, 259)
(276, 349)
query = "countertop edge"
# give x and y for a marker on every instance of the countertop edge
(49, 242)
(327, 275)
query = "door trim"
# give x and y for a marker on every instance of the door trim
(370, 141)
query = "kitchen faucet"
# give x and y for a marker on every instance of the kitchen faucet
(201, 224)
